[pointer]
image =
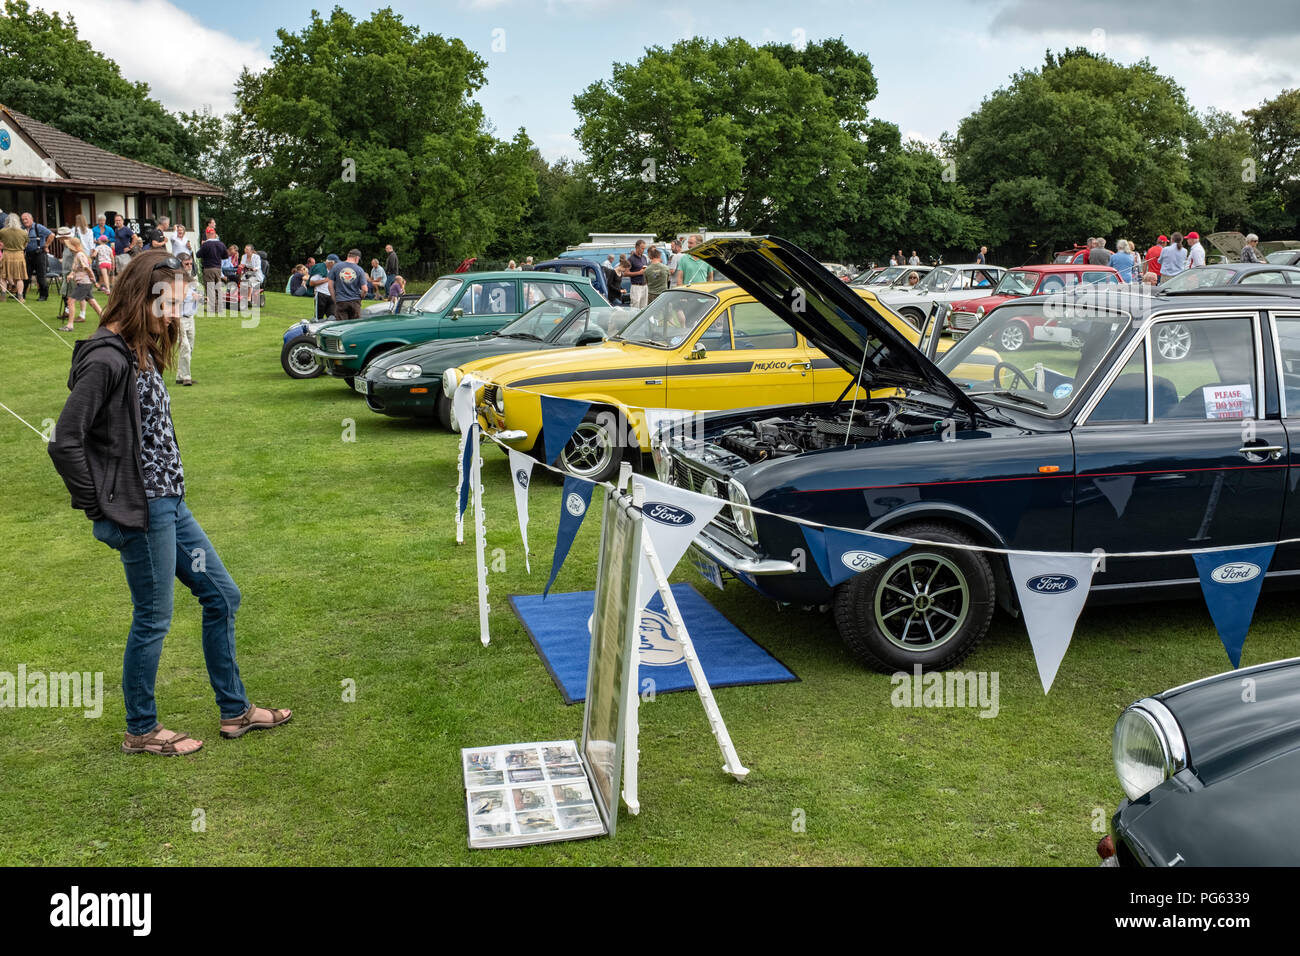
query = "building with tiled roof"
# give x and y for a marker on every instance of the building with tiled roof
(55, 176)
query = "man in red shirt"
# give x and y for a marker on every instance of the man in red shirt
(1153, 255)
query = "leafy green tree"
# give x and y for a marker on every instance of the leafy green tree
(560, 215)
(1222, 182)
(722, 134)
(51, 74)
(365, 132)
(1084, 146)
(1274, 128)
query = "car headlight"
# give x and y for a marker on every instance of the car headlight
(449, 382)
(979, 312)
(1148, 747)
(404, 372)
(499, 400)
(742, 517)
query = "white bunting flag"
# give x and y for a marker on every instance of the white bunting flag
(521, 473)
(1052, 589)
(673, 517)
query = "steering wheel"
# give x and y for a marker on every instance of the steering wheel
(1016, 373)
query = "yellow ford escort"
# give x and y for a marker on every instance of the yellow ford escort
(704, 347)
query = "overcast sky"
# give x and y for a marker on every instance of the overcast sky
(934, 61)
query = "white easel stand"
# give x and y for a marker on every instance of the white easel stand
(731, 760)
(480, 539)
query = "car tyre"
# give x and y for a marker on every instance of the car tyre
(889, 619)
(442, 412)
(296, 358)
(915, 316)
(595, 450)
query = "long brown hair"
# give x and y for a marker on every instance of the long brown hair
(132, 304)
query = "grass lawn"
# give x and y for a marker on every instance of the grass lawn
(346, 558)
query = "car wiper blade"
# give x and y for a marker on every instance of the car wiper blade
(1008, 393)
(519, 335)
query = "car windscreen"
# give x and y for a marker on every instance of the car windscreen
(936, 280)
(1016, 282)
(542, 319)
(669, 320)
(438, 296)
(1285, 257)
(1204, 278)
(607, 322)
(1041, 353)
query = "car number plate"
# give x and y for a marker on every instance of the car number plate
(359, 384)
(708, 569)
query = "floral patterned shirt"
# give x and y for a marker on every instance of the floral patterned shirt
(160, 456)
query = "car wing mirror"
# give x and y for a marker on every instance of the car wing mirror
(590, 337)
(698, 352)
(457, 312)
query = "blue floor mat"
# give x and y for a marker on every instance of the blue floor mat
(558, 629)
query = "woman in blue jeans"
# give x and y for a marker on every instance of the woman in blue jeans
(115, 448)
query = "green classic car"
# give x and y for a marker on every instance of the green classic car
(456, 306)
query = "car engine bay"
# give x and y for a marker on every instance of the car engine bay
(780, 437)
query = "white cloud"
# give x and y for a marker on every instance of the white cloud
(186, 64)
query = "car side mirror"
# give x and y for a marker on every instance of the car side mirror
(590, 337)
(699, 352)
(457, 312)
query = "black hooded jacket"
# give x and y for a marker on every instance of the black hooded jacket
(97, 439)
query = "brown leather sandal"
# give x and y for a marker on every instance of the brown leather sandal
(150, 743)
(238, 726)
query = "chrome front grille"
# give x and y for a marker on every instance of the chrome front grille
(685, 475)
(963, 321)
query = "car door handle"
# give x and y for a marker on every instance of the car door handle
(654, 381)
(806, 366)
(1274, 452)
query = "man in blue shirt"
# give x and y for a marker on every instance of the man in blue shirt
(122, 236)
(350, 286)
(38, 243)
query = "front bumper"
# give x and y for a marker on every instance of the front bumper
(339, 364)
(737, 563)
(409, 398)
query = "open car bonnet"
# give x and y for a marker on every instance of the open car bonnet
(832, 316)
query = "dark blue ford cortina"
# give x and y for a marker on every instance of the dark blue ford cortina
(1086, 438)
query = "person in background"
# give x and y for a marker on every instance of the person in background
(913, 278)
(185, 334)
(80, 282)
(122, 237)
(528, 264)
(1098, 255)
(396, 288)
(104, 263)
(157, 239)
(689, 268)
(1150, 277)
(635, 274)
(378, 279)
(34, 249)
(982, 256)
(319, 280)
(350, 286)
(1122, 261)
(1250, 251)
(674, 257)
(657, 275)
(211, 253)
(1195, 251)
(102, 228)
(211, 224)
(180, 242)
(1153, 256)
(13, 267)
(297, 284)
(391, 265)
(251, 267)
(613, 281)
(511, 267)
(230, 268)
(115, 448)
(914, 259)
(1173, 258)
(85, 235)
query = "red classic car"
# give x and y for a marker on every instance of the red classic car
(1027, 280)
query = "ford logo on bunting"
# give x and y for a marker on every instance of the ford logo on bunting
(667, 514)
(521, 476)
(1052, 584)
(575, 505)
(860, 560)
(1234, 572)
